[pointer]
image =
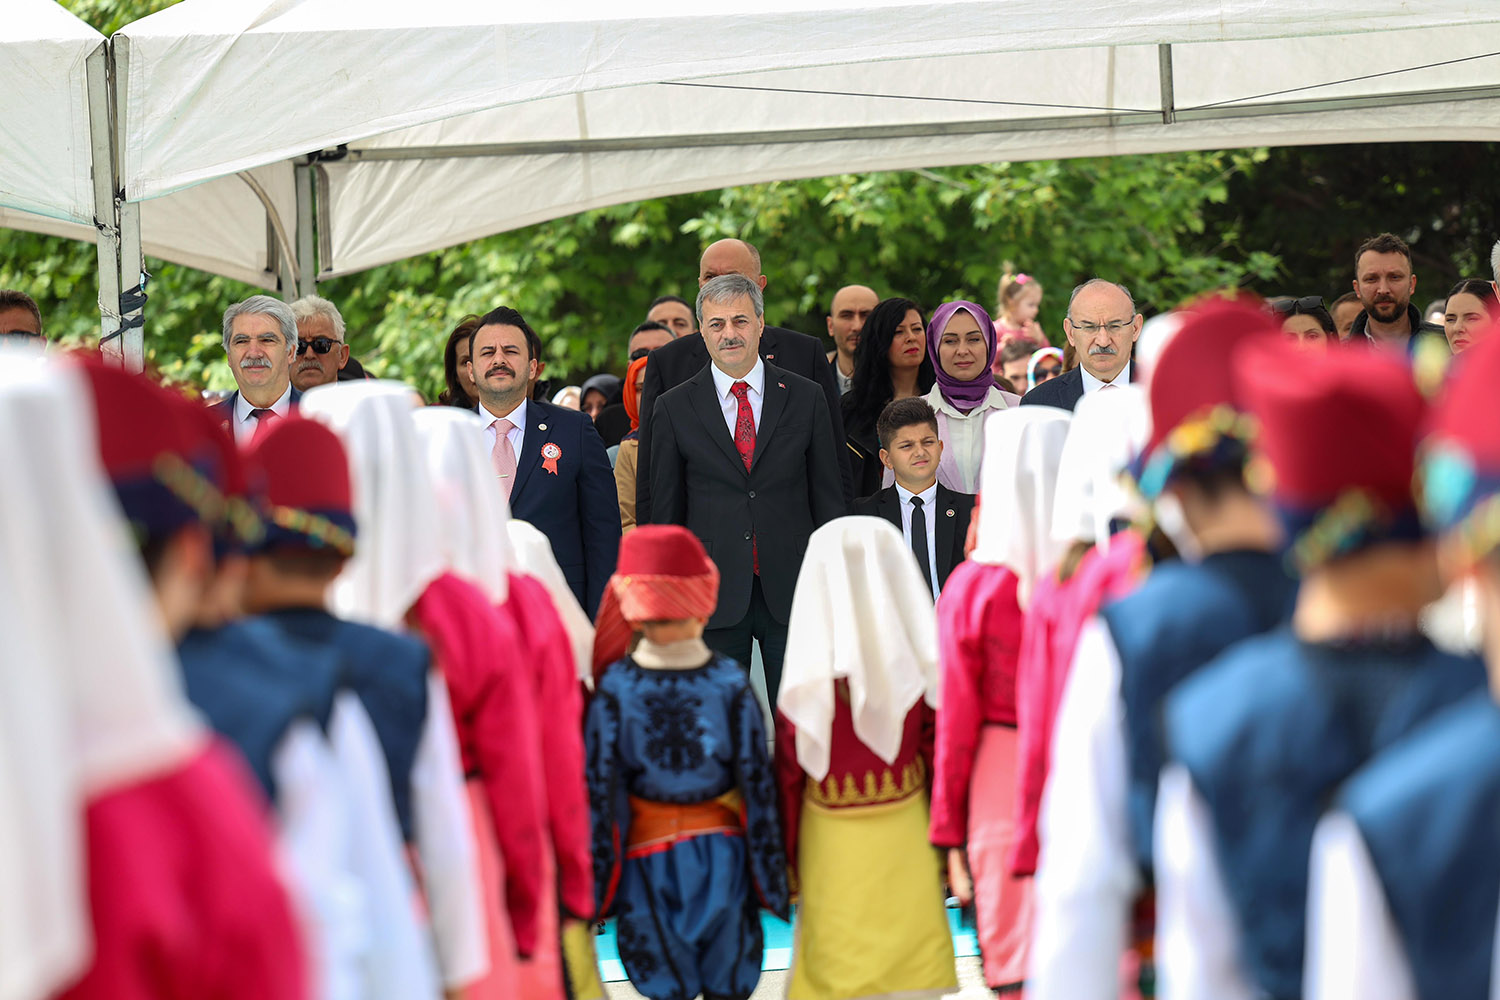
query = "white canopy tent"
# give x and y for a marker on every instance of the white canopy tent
(393, 128)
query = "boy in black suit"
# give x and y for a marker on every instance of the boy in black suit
(933, 518)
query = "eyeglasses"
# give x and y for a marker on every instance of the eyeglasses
(1286, 307)
(321, 345)
(1113, 327)
(1048, 371)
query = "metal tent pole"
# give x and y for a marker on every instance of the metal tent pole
(307, 259)
(106, 222)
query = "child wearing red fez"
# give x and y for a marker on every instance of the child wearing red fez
(183, 888)
(1258, 742)
(1404, 874)
(686, 843)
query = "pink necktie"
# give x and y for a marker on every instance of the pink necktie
(504, 455)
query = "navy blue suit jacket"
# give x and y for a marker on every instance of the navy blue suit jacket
(223, 410)
(578, 507)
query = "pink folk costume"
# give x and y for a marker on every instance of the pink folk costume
(980, 620)
(476, 545)
(138, 856)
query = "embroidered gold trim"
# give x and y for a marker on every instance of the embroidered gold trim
(833, 792)
(319, 529)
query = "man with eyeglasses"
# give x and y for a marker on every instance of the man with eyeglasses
(1102, 325)
(20, 319)
(260, 335)
(321, 351)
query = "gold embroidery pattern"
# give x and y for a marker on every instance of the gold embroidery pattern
(837, 793)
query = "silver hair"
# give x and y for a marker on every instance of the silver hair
(264, 305)
(1100, 281)
(310, 306)
(727, 288)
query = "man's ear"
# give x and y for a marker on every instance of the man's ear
(885, 459)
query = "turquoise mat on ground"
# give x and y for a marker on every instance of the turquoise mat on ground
(778, 944)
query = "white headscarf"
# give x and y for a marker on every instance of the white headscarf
(89, 693)
(473, 510)
(860, 612)
(533, 555)
(398, 551)
(1108, 430)
(1156, 333)
(1018, 483)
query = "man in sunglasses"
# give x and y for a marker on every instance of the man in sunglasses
(20, 319)
(260, 336)
(321, 351)
(1102, 325)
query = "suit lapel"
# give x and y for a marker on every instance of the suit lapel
(947, 523)
(538, 432)
(772, 403)
(705, 400)
(890, 505)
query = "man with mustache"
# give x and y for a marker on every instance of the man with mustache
(551, 462)
(321, 351)
(1102, 325)
(675, 363)
(1384, 282)
(260, 335)
(741, 456)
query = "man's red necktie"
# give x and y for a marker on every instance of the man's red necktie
(744, 443)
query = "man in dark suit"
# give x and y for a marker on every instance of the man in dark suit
(550, 460)
(742, 457)
(1102, 325)
(260, 338)
(673, 364)
(933, 519)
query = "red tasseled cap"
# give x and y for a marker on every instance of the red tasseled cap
(1194, 375)
(663, 550)
(1332, 421)
(301, 464)
(137, 422)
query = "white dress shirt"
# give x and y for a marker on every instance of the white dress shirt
(1087, 880)
(244, 424)
(929, 510)
(516, 435)
(962, 435)
(1091, 384)
(1197, 931)
(1353, 948)
(730, 403)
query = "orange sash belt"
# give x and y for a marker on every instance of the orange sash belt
(656, 826)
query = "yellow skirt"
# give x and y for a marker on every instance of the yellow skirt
(871, 921)
(581, 961)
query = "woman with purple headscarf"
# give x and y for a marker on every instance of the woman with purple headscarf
(961, 344)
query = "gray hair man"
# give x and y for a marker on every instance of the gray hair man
(260, 335)
(321, 350)
(754, 487)
(1103, 326)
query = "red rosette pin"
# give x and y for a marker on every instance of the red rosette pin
(550, 454)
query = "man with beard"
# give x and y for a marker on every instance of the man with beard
(260, 335)
(321, 351)
(551, 462)
(1384, 282)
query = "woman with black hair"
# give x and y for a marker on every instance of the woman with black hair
(460, 391)
(891, 362)
(1306, 321)
(1470, 307)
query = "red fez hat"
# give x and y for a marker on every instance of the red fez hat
(1339, 437)
(240, 527)
(1196, 413)
(663, 574)
(301, 473)
(165, 471)
(1460, 458)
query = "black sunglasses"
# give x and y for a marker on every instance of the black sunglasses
(1048, 371)
(322, 345)
(1287, 307)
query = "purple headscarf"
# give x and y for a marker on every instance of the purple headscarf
(962, 395)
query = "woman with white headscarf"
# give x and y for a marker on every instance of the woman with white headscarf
(853, 756)
(1107, 431)
(135, 858)
(980, 617)
(400, 575)
(476, 545)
